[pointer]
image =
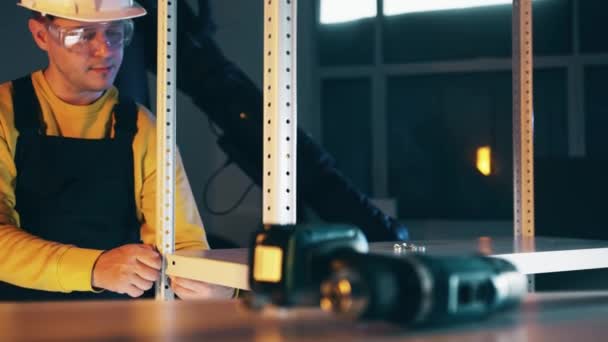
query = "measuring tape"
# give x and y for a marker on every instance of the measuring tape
(280, 112)
(165, 139)
(523, 120)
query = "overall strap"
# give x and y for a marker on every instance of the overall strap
(125, 113)
(26, 107)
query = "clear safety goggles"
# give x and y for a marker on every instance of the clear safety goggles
(116, 34)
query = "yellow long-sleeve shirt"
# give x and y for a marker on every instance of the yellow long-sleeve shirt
(29, 261)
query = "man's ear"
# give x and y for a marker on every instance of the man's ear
(39, 33)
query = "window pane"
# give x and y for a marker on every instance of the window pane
(338, 11)
(596, 109)
(593, 23)
(347, 44)
(473, 33)
(571, 192)
(346, 107)
(394, 7)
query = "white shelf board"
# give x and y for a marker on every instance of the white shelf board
(229, 267)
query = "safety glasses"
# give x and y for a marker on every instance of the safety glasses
(116, 34)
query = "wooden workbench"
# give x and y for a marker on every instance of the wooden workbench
(543, 317)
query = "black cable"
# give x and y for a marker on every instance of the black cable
(216, 173)
(213, 128)
(206, 193)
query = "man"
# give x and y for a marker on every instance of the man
(77, 167)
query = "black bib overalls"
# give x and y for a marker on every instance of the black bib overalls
(73, 191)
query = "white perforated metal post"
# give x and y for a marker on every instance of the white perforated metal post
(280, 112)
(165, 139)
(523, 124)
(523, 120)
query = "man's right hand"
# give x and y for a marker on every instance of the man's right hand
(130, 269)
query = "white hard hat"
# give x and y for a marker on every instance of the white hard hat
(86, 10)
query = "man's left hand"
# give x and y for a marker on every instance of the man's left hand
(194, 289)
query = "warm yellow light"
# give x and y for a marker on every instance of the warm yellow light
(267, 264)
(484, 160)
(344, 286)
(326, 304)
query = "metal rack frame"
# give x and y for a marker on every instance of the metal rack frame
(280, 122)
(280, 112)
(523, 120)
(165, 139)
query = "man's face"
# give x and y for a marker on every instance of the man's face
(82, 53)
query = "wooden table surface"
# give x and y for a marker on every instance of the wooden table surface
(556, 317)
